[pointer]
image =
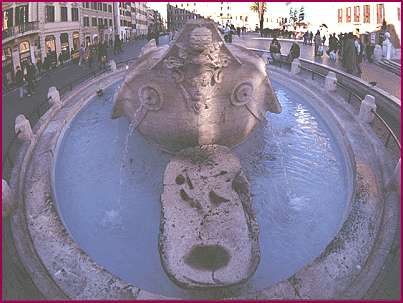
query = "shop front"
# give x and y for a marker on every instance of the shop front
(7, 65)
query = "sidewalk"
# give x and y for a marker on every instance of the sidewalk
(370, 72)
(12, 105)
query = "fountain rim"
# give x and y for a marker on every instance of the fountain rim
(35, 263)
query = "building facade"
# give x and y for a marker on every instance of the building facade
(140, 18)
(177, 17)
(96, 22)
(31, 30)
(366, 17)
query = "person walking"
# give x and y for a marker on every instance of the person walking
(19, 80)
(275, 50)
(81, 54)
(310, 38)
(318, 44)
(29, 77)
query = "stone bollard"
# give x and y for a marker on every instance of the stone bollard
(148, 47)
(6, 199)
(54, 96)
(377, 53)
(331, 82)
(23, 128)
(367, 106)
(112, 64)
(295, 67)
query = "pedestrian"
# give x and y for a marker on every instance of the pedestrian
(29, 77)
(39, 65)
(81, 54)
(310, 38)
(275, 50)
(350, 54)
(318, 44)
(359, 52)
(305, 38)
(61, 59)
(294, 52)
(19, 80)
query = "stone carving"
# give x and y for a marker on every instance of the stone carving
(209, 234)
(23, 128)
(198, 98)
(201, 81)
(6, 199)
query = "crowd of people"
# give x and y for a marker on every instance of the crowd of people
(350, 49)
(27, 74)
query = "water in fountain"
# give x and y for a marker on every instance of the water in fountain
(294, 165)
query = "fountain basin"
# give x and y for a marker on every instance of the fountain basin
(328, 273)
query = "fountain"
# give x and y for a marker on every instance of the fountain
(203, 192)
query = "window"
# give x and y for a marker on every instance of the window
(110, 22)
(50, 13)
(104, 7)
(24, 47)
(94, 21)
(86, 21)
(110, 8)
(106, 22)
(74, 14)
(93, 5)
(21, 14)
(380, 13)
(340, 15)
(356, 14)
(99, 6)
(100, 21)
(63, 14)
(367, 14)
(348, 14)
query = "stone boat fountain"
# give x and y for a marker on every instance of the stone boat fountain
(197, 98)
(205, 190)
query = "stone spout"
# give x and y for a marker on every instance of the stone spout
(209, 234)
(198, 91)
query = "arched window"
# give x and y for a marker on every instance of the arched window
(50, 43)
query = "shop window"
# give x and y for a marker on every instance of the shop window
(7, 19)
(64, 43)
(76, 40)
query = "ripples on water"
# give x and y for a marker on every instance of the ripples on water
(108, 183)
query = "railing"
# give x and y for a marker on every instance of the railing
(20, 29)
(33, 117)
(350, 93)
